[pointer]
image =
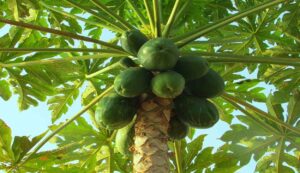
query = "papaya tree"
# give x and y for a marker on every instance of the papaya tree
(150, 74)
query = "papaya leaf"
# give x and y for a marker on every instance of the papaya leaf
(275, 109)
(29, 89)
(5, 92)
(193, 148)
(294, 107)
(290, 20)
(247, 89)
(6, 154)
(263, 140)
(80, 148)
(225, 110)
(190, 152)
(34, 84)
(14, 8)
(284, 78)
(13, 149)
(63, 99)
(91, 162)
(20, 146)
(15, 34)
(203, 160)
(83, 131)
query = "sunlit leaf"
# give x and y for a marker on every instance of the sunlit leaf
(5, 142)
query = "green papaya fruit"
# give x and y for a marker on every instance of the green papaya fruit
(208, 86)
(168, 84)
(127, 62)
(196, 112)
(124, 138)
(191, 67)
(177, 129)
(114, 111)
(158, 54)
(132, 40)
(133, 82)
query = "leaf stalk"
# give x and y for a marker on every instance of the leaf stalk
(157, 19)
(101, 25)
(98, 16)
(233, 58)
(89, 76)
(112, 14)
(149, 14)
(177, 156)
(62, 33)
(61, 50)
(171, 19)
(138, 12)
(54, 61)
(260, 112)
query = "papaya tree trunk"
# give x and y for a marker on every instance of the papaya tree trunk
(150, 142)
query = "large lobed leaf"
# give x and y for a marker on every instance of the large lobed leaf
(274, 147)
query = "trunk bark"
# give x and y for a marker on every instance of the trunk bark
(150, 142)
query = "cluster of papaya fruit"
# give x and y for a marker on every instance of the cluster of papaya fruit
(160, 70)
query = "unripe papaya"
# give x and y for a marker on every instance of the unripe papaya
(196, 112)
(124, 138)
(158, 54)
(177, 129)
(133, 82)
(208, 86)
(191, 67)
(132, 41)
(114, 111)
(168, 84)
(127, 62)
